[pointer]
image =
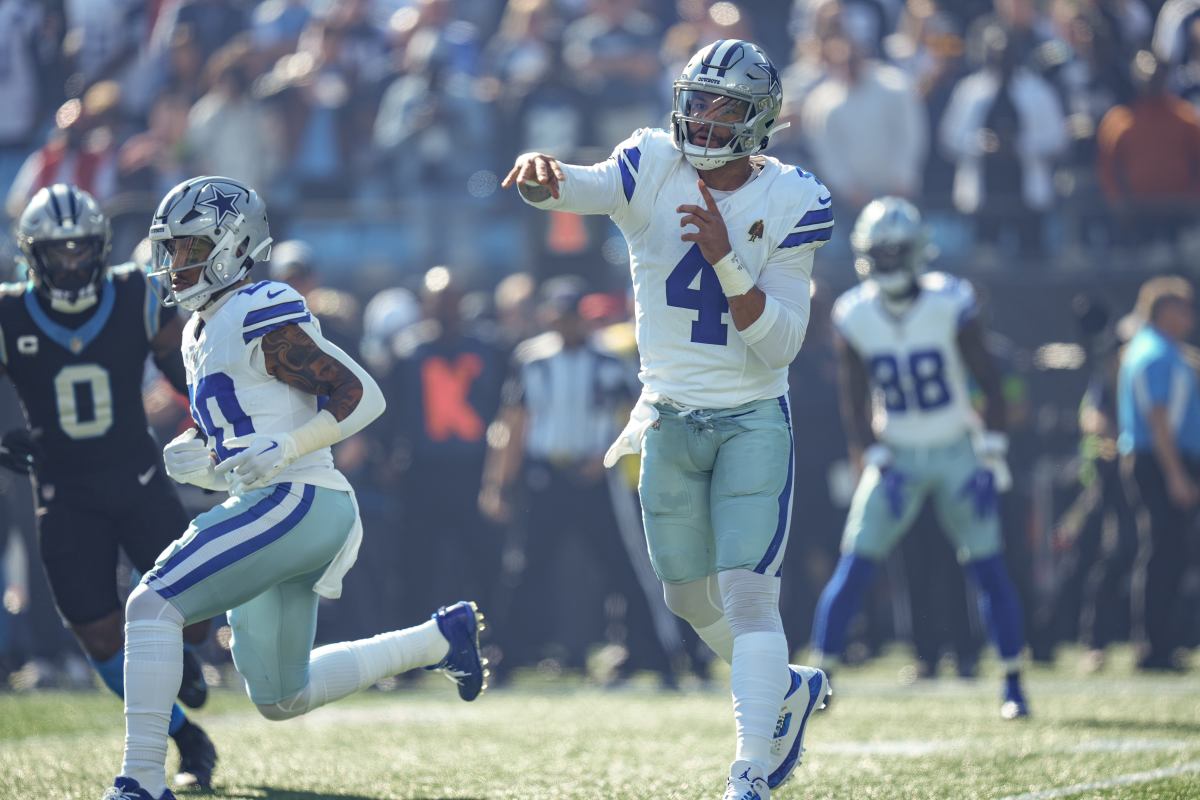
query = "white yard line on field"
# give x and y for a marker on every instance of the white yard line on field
(1112, 783)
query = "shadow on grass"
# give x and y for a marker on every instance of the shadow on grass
(277, 793)
(1135, 725)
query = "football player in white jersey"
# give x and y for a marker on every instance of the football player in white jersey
(906, 342)
(721, 241)
(269, 396)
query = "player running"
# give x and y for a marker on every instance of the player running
(74, 341)
(717, 234)
(907, 340)
(270, 396)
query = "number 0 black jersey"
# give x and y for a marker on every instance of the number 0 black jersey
(80, 376)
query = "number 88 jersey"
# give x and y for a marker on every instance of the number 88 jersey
(918, 380)
(80, 376)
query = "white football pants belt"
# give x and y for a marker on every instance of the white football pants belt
(629, 440)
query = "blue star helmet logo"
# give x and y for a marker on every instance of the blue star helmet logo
(224, 204)
(772, 73)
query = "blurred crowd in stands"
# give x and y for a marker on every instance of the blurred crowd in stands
(1048, 142)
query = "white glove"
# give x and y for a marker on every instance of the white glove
(188, 460)
(629, 441)
(991, 448)
(265, 457)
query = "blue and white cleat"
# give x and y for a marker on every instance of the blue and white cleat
(461, 624)
(1014, 705)
(128, 789)
(746, 782)
(810, 687)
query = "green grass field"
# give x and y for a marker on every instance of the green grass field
(1127, 736)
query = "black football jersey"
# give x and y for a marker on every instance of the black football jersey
(79, 376)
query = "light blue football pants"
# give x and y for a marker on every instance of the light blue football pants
(257, 556)
(716, 490)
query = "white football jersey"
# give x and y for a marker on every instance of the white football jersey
(231, 392)
(918, 380)
(690, 351)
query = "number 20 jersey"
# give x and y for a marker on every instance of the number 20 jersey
(918, 379)
(689, 349)
(79, 376)
(231, 392)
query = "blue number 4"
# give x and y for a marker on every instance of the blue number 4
(709, 299)
(219, 387)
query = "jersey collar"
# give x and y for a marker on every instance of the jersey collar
(75, 340)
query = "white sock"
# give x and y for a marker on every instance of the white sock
(153, 671)
(338, 670)
(719, 637)
(759, 661)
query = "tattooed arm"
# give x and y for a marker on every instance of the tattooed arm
(291, 356)
(304, 360)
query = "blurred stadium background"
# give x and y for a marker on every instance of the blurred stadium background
(378, 130)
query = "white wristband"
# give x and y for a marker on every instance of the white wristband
(323, 430)
(734, 278)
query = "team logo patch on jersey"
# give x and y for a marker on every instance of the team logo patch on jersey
(756, 230)
(27, 345)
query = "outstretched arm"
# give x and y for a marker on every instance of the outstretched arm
(548, 184)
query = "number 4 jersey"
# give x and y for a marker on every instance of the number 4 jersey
(232, 394)
(80, 376)
(917, 375)
(690, 352)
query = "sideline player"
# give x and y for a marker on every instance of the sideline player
(270, 396)
(74, 342)
(721, 242)
(907, 340)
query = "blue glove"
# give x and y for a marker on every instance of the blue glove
(981, 489)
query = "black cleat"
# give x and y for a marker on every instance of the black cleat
(197, 757)
(193, 691)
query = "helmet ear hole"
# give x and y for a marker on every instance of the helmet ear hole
(242, 247)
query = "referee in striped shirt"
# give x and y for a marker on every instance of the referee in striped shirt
(561, 410)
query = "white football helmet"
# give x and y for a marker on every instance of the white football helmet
(216, 223)
(890, 245)
(65, 239)
(727, 104)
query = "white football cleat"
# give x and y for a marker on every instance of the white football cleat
(807, 693)
(746, 782)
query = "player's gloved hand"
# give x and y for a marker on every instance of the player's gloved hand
(991, 448)
(187, 460)
(18, 451)
(879, 456)
(264, 457)
(982, 490)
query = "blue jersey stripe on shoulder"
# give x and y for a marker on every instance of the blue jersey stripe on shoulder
(249, 336)
(271, 312)
(627, 181)
(634, 154)
(254, 288)
(797, 239)
(816, 217)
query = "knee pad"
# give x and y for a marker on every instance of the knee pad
(751, 601)
(287, 708)
(697, 603)
(145, 604)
